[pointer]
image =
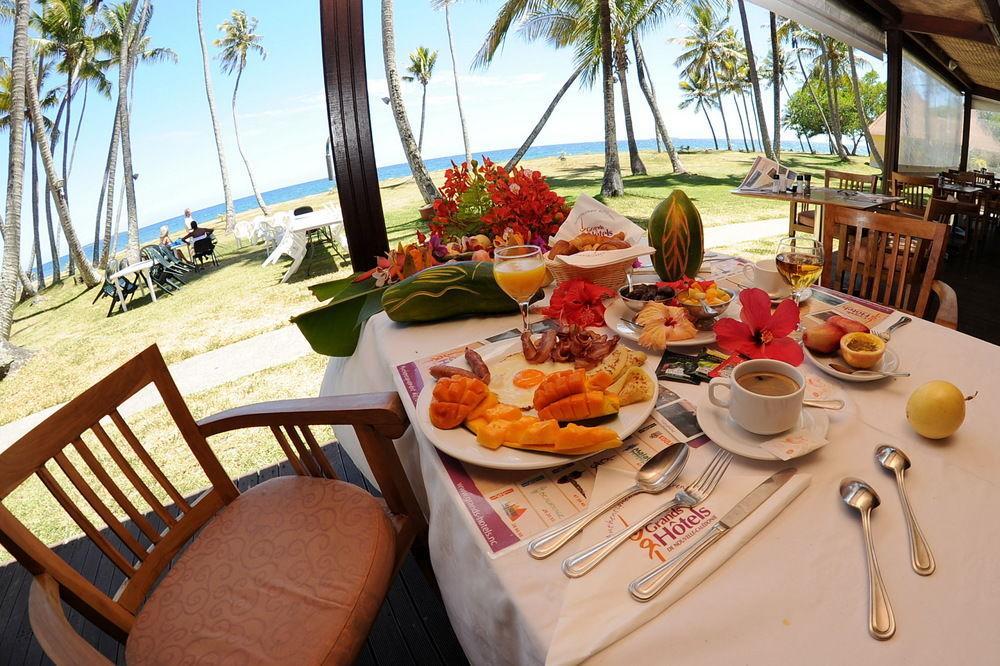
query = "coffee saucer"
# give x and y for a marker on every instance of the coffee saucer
(720, 427)
(803, 297)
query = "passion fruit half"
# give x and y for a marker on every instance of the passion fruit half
(862, 350)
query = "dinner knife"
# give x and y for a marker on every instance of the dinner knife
(648, 586)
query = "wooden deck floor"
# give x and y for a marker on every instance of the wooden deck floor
(411, 628)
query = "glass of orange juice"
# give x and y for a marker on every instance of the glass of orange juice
(520, 271)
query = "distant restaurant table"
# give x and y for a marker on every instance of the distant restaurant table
(797, 591)
(955, 188)
(140, 267)
(820, 197)
(295, 240)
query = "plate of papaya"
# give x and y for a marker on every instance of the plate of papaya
(497, 409)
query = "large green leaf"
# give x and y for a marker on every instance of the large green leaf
(333, 329)
(342, 289)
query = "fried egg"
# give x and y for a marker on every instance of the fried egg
(514, 380)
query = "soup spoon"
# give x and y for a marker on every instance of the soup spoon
(895, 461)
(654, 476)
(859, 495)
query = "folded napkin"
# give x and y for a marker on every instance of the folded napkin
(590, 216)
(598, 609)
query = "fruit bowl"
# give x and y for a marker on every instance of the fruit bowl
(704, 315)
(651, 292)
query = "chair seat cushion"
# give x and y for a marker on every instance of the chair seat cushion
(292, 572)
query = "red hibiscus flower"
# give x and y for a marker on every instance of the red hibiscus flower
(578, 302)
(761, 334)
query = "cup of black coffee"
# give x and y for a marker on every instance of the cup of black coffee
(765, 396)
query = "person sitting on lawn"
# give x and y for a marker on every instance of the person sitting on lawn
(173, 245)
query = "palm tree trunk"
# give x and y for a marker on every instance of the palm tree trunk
(53, 243)
(718, 100)
(751, 122)
(86, 270)
(219, 148)
(876, 158)
(512, 162)
(776, 85)
(802, 146)
(126, 55)
(611, 185)
(108, 165)
(423, 116)
(454, 69)
(710, 128)
(830, 98)
(755, 83)
(35, 225)
(239, 147)
(646, 85)
(65, 155)
(423, 179)
(635, 162)
(812, 93)
(110, 173)
(76, 135)
(10, 267)
(743, 130)
(812, 150)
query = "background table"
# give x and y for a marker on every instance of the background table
(141, 267)
(295, 240)
(797, 592)
(820, 197)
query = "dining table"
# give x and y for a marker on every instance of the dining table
(792, 588)
(819, 197)
(140, 268)
(295, 241)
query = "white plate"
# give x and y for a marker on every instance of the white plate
(617, 310)
(461, 444)
(716, 423)
(888, 363)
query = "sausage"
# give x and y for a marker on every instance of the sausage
(442, 371)
(477, 365)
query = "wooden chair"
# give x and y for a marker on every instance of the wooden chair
(984, 179)
(292, 571)
(915, 191)
(805, 220)
(888, 259)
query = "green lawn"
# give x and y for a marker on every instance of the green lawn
(74, 345)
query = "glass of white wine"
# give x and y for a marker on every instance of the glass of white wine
(800, 263)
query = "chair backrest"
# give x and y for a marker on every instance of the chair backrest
(985, 179)
(282, 219)
(884, 258)
(203, 245)
(915, 190)
(940, 210)
(845, 180)
(91, 429)
(302, 210)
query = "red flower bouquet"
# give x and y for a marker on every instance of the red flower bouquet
(759, 333)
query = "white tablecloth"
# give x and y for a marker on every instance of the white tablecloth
(797, 592)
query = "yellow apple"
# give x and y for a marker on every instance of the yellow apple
(936, 409)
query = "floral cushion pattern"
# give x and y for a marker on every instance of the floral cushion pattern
(292, 572)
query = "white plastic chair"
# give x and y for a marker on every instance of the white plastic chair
(244, 231)
(294, 245)
(267, 234)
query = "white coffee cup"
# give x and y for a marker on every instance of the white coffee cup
(764, 275)
(760, 414)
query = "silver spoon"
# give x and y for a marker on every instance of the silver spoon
(859, 495)
(895, 461)
(866, 373)
(824, 404)
(887, 333)
(654, 476)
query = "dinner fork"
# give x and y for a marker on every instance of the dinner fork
(694, 493)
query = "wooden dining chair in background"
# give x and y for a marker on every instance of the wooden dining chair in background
(292, 571)
(984, 179)
(888, 259)
(805, 219)
(915, 191)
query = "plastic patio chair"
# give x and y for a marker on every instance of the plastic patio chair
(128, 289)
(203, 248)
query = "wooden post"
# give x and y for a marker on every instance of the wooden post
(346, 79)
(966, 128)
(893, 106)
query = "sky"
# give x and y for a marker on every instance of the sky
(281, 104)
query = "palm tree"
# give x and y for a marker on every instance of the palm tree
(696, 91)
(755, 82)
(446, 5)
(11, 263)
(421, 69)
(611, 184)
(733, 84)
(646, 85)
(115, 30)
(776, 62)
(873, 153)
(219, 148)
(706, 44)
(423, 179)
(240, 39)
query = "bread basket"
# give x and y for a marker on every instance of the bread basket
(611, 276)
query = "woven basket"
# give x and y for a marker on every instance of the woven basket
(611, 276)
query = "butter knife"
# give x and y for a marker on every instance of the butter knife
(649, 585)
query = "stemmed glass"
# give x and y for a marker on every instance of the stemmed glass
(800, 263)
(520, 271)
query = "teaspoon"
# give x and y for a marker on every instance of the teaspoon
(866, 373)
(894, 460)
(654, 476)
(859, 495)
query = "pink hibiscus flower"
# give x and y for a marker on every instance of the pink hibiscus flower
(761, 334)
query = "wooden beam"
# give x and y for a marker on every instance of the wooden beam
(966, 127)
(948, 27)
(988, 93)
(345, 75)
(991, 11)
(889, 12)
(893, 105)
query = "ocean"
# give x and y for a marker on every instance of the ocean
(151, 232)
